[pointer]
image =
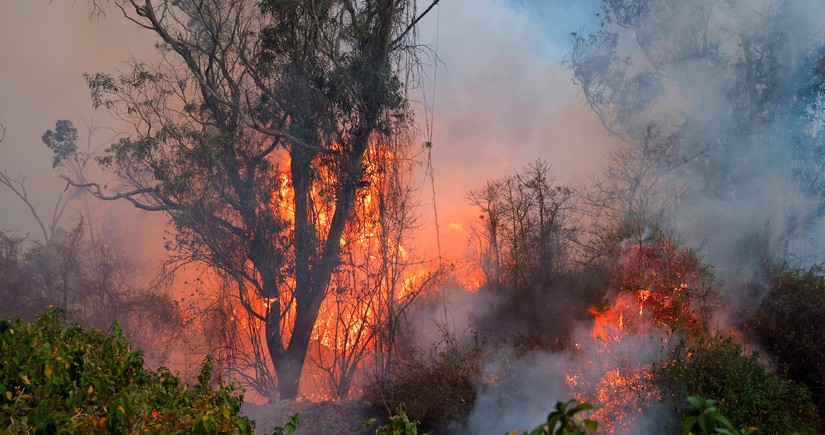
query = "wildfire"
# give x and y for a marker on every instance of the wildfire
(655, 284)
(471, 278)
(375, 274)
(368, 245)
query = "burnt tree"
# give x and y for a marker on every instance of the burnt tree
(246, 90)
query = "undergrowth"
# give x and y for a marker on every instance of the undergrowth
(61, 378)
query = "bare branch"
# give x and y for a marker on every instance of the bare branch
(97, 192)
(412, 25)
(18, 187)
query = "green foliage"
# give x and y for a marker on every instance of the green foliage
(100, 85)
(290, 426)
(399, 424)
(59, 377)
(748, 393)
(789, 325)
(565, 421)
(62, 141)
(702, 417)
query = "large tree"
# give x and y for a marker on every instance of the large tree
(245, 92)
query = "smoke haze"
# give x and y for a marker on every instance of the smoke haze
(502, 99)
(45, 48)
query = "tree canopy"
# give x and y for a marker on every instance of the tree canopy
(254, 104)
(716, 102)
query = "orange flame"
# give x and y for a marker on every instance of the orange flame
(655, 283)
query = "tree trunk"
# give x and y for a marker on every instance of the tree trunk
(314, 269)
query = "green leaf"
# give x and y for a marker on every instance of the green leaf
(552, 420)
(687, 424)
(541, 430)
(581, 407)
(703, 424)
(695, 402)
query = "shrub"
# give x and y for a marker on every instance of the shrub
(398, 424)
(290, 427)
(748, 394)
(58, 377)
(563, 420)
(702, 417)
(789, 325)
(437, 387)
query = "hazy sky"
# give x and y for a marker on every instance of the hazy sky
(45, 49)
(503, 98)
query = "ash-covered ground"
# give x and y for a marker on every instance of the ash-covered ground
(330, 417)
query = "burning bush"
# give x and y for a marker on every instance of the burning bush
(657, 289)
(658, 284)
(653, 345)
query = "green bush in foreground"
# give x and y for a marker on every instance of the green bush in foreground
(290, 426)
(563, 421)
(56, 377)
(398, 424)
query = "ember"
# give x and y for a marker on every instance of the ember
(656, 284)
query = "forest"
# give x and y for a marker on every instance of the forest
(290, 160)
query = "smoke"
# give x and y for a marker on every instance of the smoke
(750, 157)
(503, 99)
(750, 201)
(754, 197)
(754, 193)
(46, 47)
(721, 104)
(523, 390)
(730, 96)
